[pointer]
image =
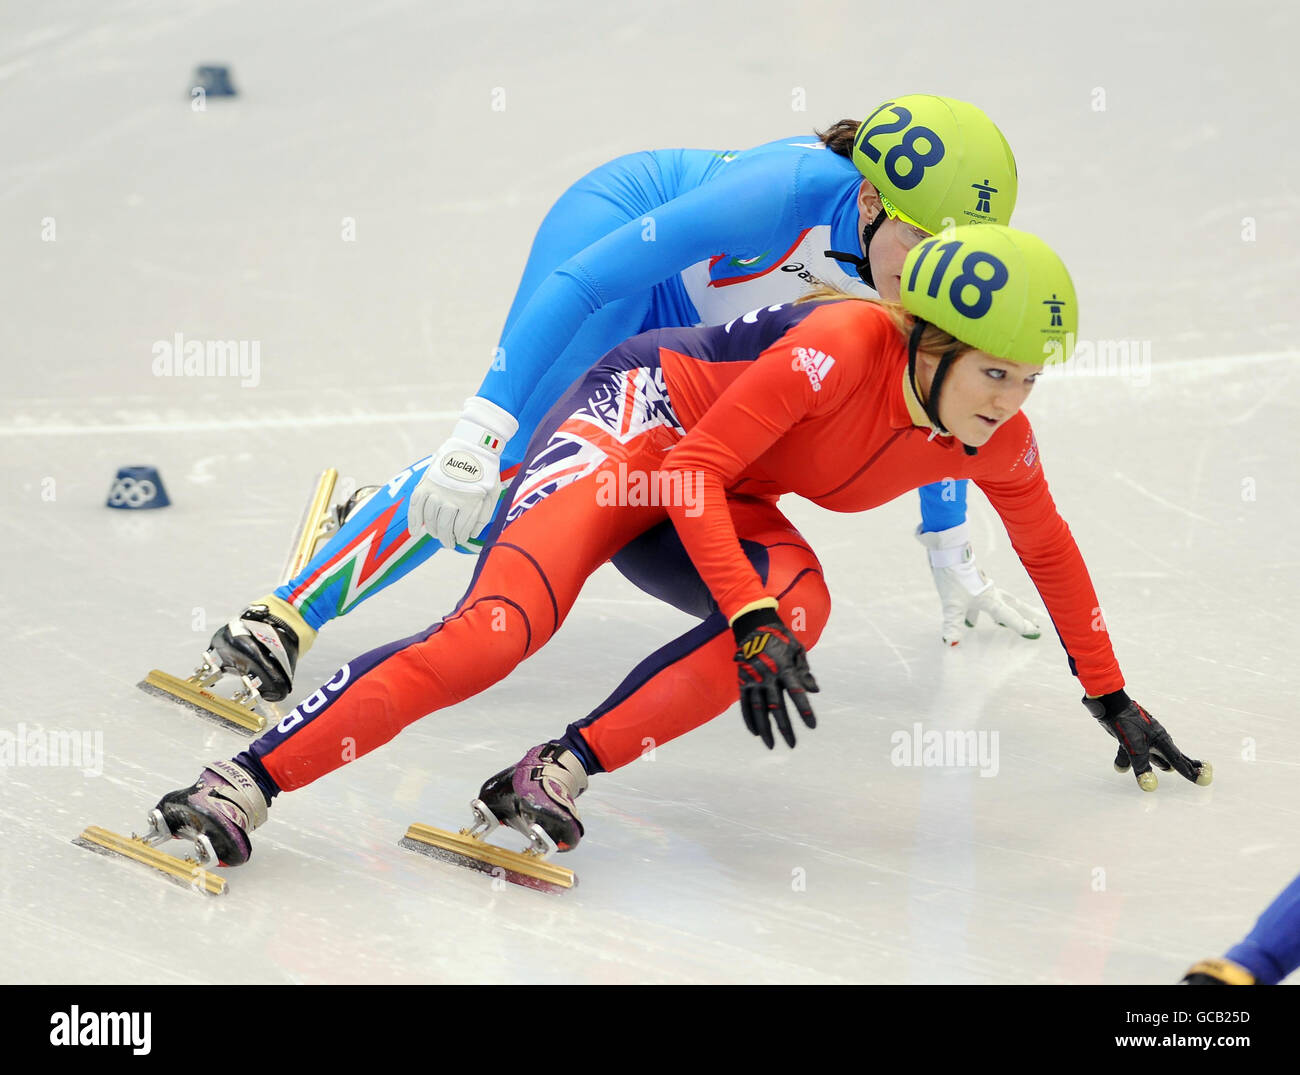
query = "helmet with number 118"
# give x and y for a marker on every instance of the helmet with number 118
(995, 289)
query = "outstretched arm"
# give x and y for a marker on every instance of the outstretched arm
(1014, 483)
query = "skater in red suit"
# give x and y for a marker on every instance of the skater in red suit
(676, 447)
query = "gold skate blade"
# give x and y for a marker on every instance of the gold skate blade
(185, 872)
(204, 702)
(312, 527)
(517, 867)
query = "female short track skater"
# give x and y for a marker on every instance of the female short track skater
(848, 403)
(658, 239)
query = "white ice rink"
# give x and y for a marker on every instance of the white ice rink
(1157, 153)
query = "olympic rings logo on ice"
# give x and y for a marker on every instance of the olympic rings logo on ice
(132, 492)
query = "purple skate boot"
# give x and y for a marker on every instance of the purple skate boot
(223, 807)
(539, 793)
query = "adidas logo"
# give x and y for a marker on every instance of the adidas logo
(816, 364)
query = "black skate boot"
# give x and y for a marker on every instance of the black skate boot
(224, 805)
(262, 645)
(540, 791)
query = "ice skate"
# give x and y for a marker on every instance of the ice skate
(535, 797)
(539, 792)
(261, 646)
(222, 807)
(216, 813)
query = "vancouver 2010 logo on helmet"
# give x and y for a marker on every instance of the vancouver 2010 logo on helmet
(983, 191)
(1055, 306)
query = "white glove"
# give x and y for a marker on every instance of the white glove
(458, 493)
(965, 591)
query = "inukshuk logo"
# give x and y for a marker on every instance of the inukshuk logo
(982, 192)
(1056, 306)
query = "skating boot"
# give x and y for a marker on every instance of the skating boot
(223, 806)
(261, 645)
(539, 792)
(534, 797)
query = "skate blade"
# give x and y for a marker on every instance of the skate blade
(203, 702)
(518, 867)
(185, 872)
(315, 526)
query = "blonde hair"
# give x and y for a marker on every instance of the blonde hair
(934, 340)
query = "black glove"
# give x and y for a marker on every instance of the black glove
(771, 661)
(1143, 742)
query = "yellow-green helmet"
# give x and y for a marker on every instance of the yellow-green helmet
(999, 290)
(937, 162)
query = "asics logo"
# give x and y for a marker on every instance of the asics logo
(816, 364)
(132, 493)
(803, 273)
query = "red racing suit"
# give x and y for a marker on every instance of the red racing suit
(706, 427)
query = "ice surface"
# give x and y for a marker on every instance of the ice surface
(714, 861)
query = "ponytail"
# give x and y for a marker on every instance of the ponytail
(838, 137)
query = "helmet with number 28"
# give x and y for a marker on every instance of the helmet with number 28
(1001, 291)
(937, 163)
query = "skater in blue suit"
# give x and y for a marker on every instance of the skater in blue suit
(1269, 953)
